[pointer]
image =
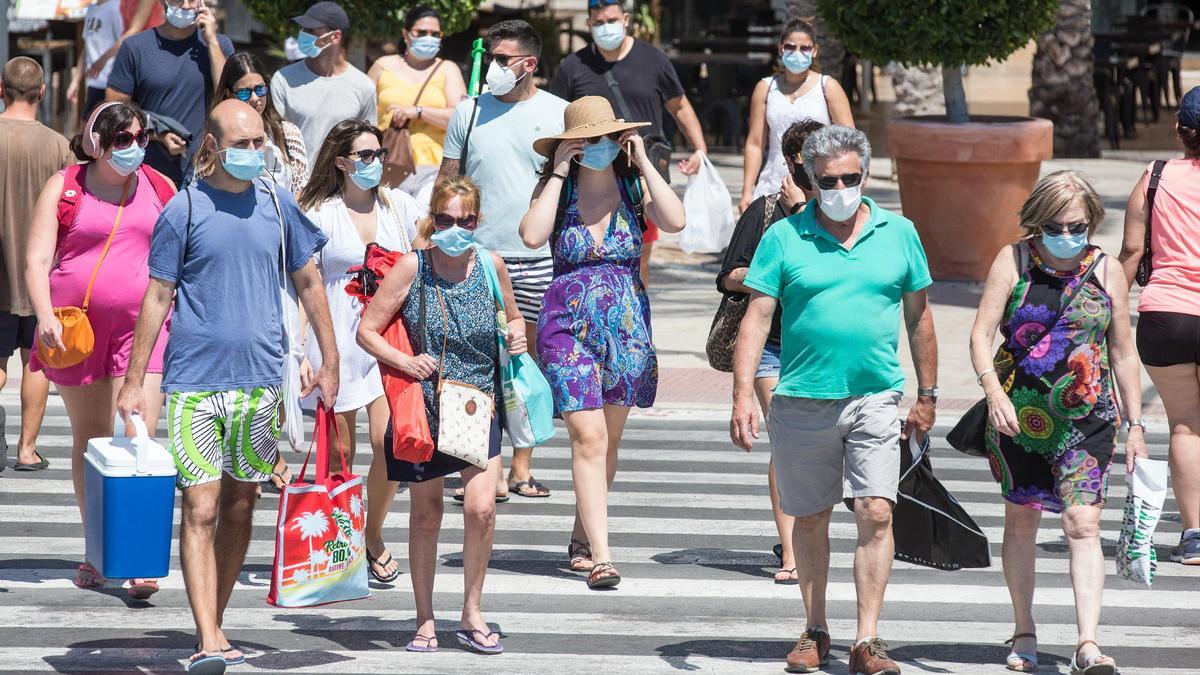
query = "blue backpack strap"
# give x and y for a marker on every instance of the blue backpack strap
(631, 192)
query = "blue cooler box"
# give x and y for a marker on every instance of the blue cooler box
(130, 500)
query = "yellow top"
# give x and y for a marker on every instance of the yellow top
(427, 139)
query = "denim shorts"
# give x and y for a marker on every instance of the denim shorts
(768, 364)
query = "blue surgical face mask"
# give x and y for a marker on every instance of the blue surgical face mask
(367, 176)
(609, 36)
(128, 160)
(179, 17)
(306, 42)
(243, 163)
(454, 241)
(1065, 246)
(599, 155)
(796, 61)
(426, 47)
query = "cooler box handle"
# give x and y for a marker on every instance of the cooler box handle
(141, 441)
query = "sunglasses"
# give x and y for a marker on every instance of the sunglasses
(831, 182)
(425, 32)
(444, 221)
(244, 93)
(369, 155)
(123, 139)
(504, 59)
(1052, 228)
(791, 47)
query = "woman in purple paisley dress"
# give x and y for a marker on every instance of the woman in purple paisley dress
(1053, 418)
(594, 339)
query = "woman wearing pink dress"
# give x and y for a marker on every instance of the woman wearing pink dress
(114, 198)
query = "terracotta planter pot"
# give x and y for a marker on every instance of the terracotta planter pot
(962, 184)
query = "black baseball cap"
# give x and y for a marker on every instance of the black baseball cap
(324, 13)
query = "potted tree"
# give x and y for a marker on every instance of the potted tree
(962, 178)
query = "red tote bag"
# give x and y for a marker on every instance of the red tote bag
(411, 440)
(320, 554)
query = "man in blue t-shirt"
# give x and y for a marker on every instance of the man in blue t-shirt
(170, 71)
(216, 250)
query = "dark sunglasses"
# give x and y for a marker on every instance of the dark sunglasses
(123, 139)
(1054, 229)
(369, 155)
(593, 4)
(425, 32)
(444, 221)
(260, 91)
(831, 182)
(789, 47)
(504, 59)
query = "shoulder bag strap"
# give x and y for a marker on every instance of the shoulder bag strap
(87, 296)
(422, 261)
(462, 159)
(1151, 190)
(432, 71)
(769, 210)
(1062, 310)
(622, 107)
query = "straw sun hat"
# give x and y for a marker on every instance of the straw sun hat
(589, 117)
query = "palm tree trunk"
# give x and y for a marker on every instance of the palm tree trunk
(1063, 91)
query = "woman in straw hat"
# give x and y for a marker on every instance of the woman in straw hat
(597, 188)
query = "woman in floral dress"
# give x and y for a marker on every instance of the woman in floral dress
(1053, 417)
(594, 338)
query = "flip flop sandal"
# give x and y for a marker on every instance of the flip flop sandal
(1092, 666)
(428, 640)
(142, 589)
(88, 577)
(42, 463)
(1020, 658)
(234, 661)
(536, 489)
(204, 663)
(285, 479)
(466, 638)
(461, 497)
(786, 581)
(580, 553)
(373, 561)
(603, 575)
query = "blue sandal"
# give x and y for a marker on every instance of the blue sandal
(1016, 660)
(205, 663)
(466, 638)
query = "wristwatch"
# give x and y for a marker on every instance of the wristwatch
(930, 392)
(1136, 423)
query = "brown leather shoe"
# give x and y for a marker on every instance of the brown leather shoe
(810, 653)
(870, 658)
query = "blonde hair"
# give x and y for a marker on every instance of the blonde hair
(1055, 192)
(445, 192)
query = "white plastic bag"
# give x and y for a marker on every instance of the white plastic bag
(708, 212)
(1136, 558)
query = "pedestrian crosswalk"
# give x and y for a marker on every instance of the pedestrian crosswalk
(691, 533)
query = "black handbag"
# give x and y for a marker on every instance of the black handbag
(1146, 264)
(967, 436)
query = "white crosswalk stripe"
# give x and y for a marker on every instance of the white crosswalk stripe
(691, 532)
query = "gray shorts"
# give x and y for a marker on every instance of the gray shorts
(827, 450)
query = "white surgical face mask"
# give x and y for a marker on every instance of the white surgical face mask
(501, 80)
(840, 205)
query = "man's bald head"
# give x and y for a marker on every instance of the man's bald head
(232, 117)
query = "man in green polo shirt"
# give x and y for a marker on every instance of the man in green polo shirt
(842, 269)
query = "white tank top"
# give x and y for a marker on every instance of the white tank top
(781, 114)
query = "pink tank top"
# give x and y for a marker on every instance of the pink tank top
(1175, 241)
(125, 273)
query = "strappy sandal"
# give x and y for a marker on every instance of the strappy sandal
(604, 575)
(1017, 661)
(529, 488)
(1097, 665)
(466, 638)
(372, 561)
(88, 577)
(790, 580)
(581, 556)
(142, 589)
(422, 643)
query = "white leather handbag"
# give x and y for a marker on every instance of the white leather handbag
(464, 412)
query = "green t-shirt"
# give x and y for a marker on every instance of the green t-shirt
(841, 308)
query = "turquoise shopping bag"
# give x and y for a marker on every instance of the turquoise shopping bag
(528, 403)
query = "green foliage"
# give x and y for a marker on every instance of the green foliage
(379, 19)
(945, 33)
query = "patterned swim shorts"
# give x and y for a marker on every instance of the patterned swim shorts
(235, 432)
